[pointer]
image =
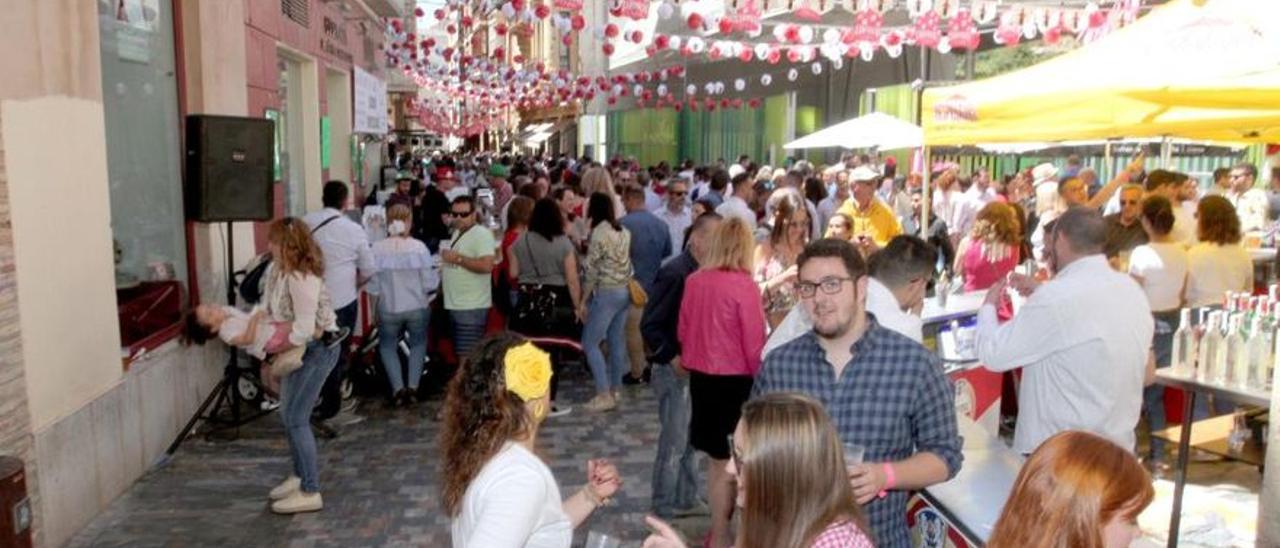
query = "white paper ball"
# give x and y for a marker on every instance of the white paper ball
(867, 53)
(944, 45)
(780, 33)
(739, 84)
(830, 36)
(1029, 30)
(762, 51)
(837, 63)
(719, 88)
(697, 45)
(710, 87)
(816, 68)
(792, 74)
(662, 90)
(666, 10)
(617, 89)
(756, 31)
(806, 34)
(674, 42)
(691, 89)
(765, 80)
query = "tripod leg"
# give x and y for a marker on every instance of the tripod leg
(215, 394)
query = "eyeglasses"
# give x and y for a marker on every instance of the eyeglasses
(830, 286)
(678, 194)
(733, 452)
(460, 213)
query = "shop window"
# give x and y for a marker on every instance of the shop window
(144, 170)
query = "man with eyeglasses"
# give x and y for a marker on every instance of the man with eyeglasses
(467, 260)
(882, 390)
(1124, 229)
(676, 214)
(1251, 203)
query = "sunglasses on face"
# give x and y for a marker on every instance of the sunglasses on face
(460, 213)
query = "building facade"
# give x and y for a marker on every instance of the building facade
(97, 259)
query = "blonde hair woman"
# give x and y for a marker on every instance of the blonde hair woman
(722, 332)
(295, 293)
(775, 258)
(791, 477)
(597, 179)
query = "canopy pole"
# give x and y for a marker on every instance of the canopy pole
(1166, 153)
(925, 201)
(1108, 169)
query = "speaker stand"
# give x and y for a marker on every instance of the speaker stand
(225, 397)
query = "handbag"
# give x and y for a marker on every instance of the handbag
(537, 302)
(638, 296)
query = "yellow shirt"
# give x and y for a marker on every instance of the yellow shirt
(877, 221)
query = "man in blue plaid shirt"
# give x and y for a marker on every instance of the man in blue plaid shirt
(882, 390)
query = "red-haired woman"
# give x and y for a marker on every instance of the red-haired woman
(1077, 490)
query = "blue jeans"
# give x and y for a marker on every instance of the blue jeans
(607, 320)
(468, 329)
(413, 324)
(298, 393)
(675, 476)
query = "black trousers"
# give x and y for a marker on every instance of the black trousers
(331, 394)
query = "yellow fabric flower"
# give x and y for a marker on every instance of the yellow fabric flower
(528, 371)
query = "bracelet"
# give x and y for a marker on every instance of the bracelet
(890, 481)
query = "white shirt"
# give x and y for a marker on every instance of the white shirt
(1082, 339)
(512, 503)
(964, 212)
(944, 206)
(699, 190)
(1251, 206)
(1215, 269)
(1163, 269)
(237, 322)
(1184, 224)
(880, 301)
(346, 251)
(734, 206)
(677, 223)
(652, 201)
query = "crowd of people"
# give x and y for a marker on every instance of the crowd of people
(775, 314)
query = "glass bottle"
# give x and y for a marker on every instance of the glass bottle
(1259, 355)
(1230, 354)
(1210, 346)
(1183, 358)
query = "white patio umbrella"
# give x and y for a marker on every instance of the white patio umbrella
(875, 130)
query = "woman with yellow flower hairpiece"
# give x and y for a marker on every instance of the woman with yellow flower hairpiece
(497, 491)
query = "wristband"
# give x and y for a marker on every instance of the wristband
(890, 481)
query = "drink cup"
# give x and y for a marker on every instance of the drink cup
(596, 539)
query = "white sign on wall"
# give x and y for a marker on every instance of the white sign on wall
(370, 112)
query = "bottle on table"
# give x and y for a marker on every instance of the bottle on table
(1210, 347)
(1230, 354)
(1183, 358)
(1259, 355)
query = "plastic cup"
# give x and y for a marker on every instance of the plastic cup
(596, 539)
(853, 454)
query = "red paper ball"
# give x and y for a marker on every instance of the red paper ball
(793, 55)
(607, 48)
(419, 12)
(792, 34)
(613, 100)
(745, 55)
(660, 41)
(542, 11)
(893, 39)
(1097, 18)
(451, 29)
(650, 50)
(695, 21)
(637, 36)
(567, 39)
(611, 30)
(467, 21)
(677, 107)
(439, 15)
(774, 57)
(500, 29)
(578, 22)
(726, 26)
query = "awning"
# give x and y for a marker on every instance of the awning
(875, 130)
(1200, 69)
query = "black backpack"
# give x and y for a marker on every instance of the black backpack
(250, 280)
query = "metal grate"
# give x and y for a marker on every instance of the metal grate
(297, 10)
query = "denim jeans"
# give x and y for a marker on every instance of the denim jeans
(413, 324)
(607, 321)
(468, 329)
(298, 393)
(675, 476)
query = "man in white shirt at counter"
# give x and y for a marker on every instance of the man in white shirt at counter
(1083, 339)
(900, 274)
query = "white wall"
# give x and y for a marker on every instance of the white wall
(62, 248)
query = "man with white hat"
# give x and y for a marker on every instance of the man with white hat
(873, 222)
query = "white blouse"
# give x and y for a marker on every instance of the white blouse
(512, 503)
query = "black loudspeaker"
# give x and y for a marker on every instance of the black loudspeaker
(230, 164)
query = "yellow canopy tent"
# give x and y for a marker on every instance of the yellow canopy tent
(1200, 69)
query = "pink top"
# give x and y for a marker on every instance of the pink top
(842, 535)
(981, 273)
(721, 329)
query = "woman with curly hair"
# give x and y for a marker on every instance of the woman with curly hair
(497, 491)
(992, 249)
(295, 293)
(1077, 490)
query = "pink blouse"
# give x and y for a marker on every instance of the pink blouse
(981, 273)
(722, 327)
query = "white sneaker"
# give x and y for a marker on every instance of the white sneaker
(346, 418)
(559, 411)
(288, 487)
(297, 503)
